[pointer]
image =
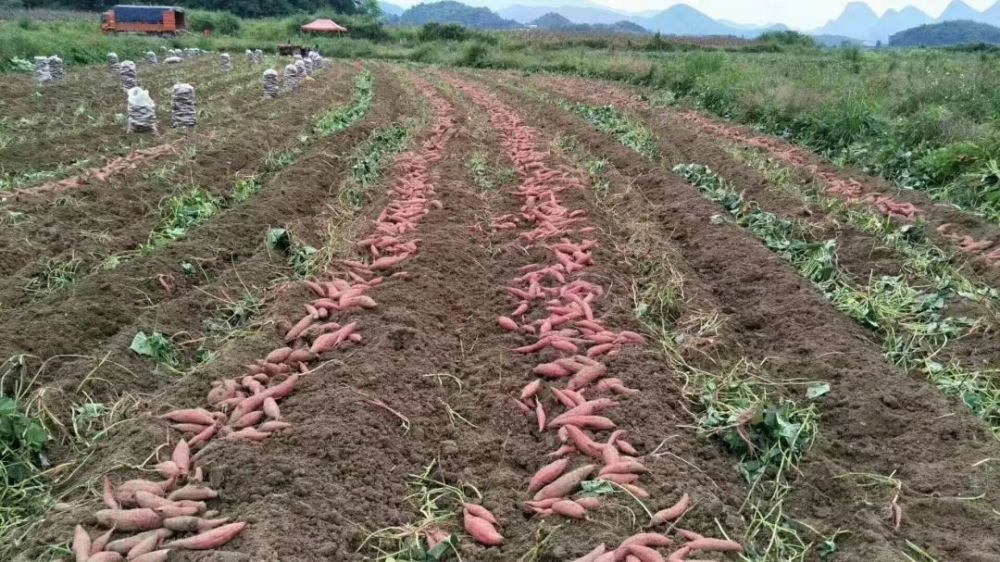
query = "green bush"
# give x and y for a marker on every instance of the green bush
(443, 31)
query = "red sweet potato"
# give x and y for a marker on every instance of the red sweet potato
(715, 545)
(277, 392)
(145, 546)
(619, 478)
(481, 530)
(108, 495)
(644, 553)
(547, 474)
(140, 519)
(155, 556)
(584, 443)
(106, 557)
(271, 409)
(168, 469)
(550, 370)
(624, 467)
(81, 544)
(671, 513)
(193, 492)
(175, 510)
(530, 389)
(99, 544)
(540, 415)
(565, 484)
(192, 415)
(190, 523)
(248, 420)
(204, 436)
(122, 546)
(125, 492)
(480, 511)
(209, 539)
(688, 534)
(507, 323)
(569, 508)
(189, 427)
(589, 502)
(274, 425)
(182, 457)
(600, 423)
(279, 355)
(646, 539)
(586, 376)
(301, 355)
(152, 501)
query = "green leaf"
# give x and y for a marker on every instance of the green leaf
(141, 345)
(814, 392)
(278, 239)
(598, 488)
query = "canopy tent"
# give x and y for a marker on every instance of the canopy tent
(324, 26)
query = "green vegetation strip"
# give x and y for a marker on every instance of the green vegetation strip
(908, 320)
(338, 119)
(920, 256)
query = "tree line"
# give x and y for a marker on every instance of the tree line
(242, 8)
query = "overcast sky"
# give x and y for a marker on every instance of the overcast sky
(803, 14)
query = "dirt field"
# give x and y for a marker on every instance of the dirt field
(800, 359)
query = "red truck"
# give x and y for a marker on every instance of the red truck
(149, 20)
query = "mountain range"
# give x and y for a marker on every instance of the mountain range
(858, 20)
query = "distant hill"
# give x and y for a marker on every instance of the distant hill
(836, 41)
(455, 12)
(575, 14)
(557, 22)
(391, 9)
(682, 19)
(947, 34)
(859, 21)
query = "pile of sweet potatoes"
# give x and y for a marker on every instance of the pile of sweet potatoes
(246, 408)
(555, 309)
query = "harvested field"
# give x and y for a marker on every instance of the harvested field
(414, 314)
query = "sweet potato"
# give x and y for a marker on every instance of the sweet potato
(626, 466)
(122, 546)
(563, 398)
(248, 420)
(279, 355)
(106, 557)
(108, 495)
(565, 484)
(140, 519)
(190, 523)
(547, 474)
(643, 553)
(182, 457)
(125, 492)
(480, 511)
(507, 323)
(540, 415)
(584, 443)
(204, 436)
(145, 546)
(550, 370)
(586, 376)
(530, 389)
(589, 502)
(636, 491)
(271, 409)
(481, 530)
(152, 501)
(569, 508)
(619, 478)
(274, 425)
(301, 355)
(188, 427)
(688, 534)
(167, 469)
(671, 513)
(277, 392)
(209, 539)
(81, 544)
(588, 408)
(193, 415)
(715, 545)
(646, 539)
(248, 434)
(593, 554)
(193, 492)
(99, 544)
(299, 328)
(600, 423)
(155, 556)
(679, 555)
(175, 510)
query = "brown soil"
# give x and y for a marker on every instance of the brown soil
(315, 491)
(876, 419)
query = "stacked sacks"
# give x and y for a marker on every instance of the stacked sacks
(307, 66)
(291, 78)
(300, 69)
(56, 68)
(270, 83)
(227, 62)
(127, 75)
(184, 110)
(42, 72)
(151, 58)
(249, 56)
(258, 56)
(317, 60)
(141, 111)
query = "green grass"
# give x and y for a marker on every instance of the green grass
(56, 275)
(371, 159)
(907, 319)
(338, 119)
